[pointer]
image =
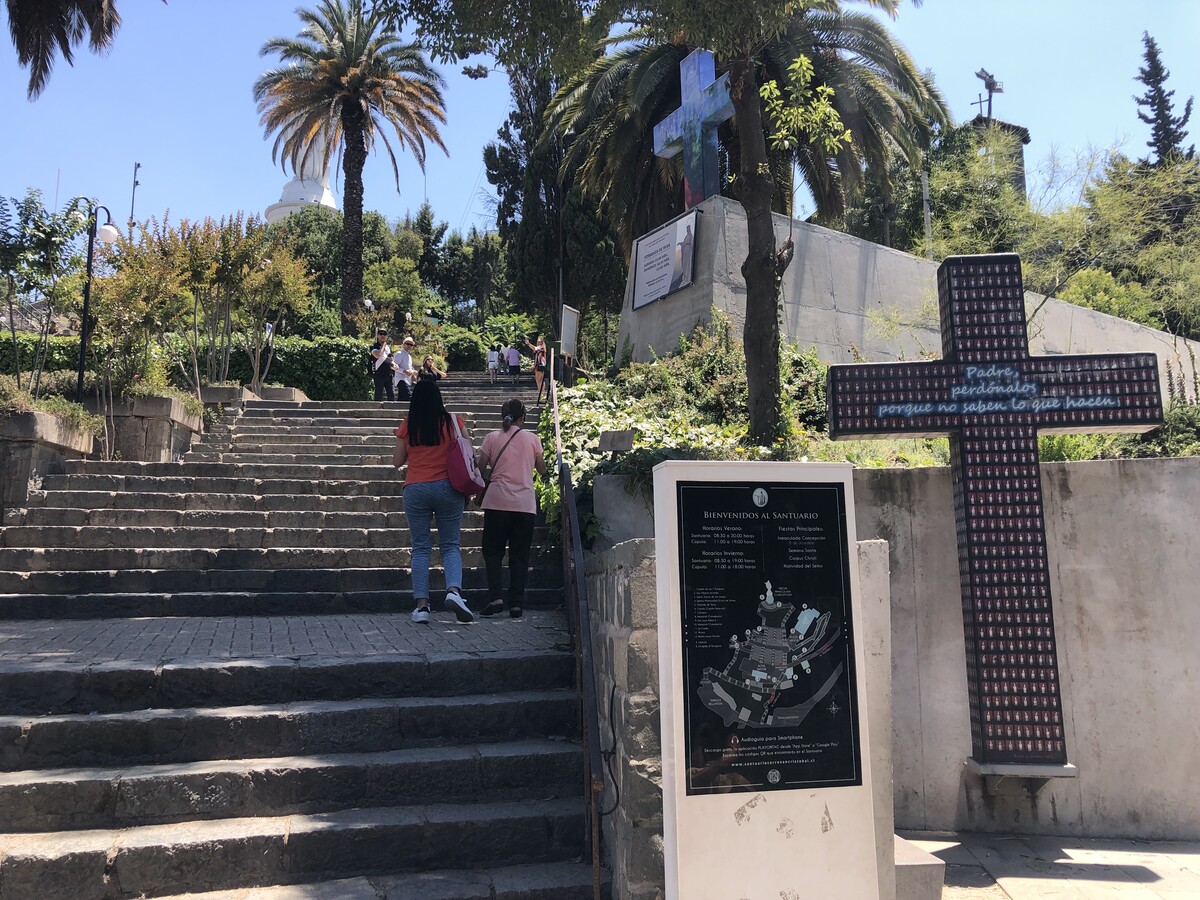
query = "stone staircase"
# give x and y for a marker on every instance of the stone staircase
(210, 686)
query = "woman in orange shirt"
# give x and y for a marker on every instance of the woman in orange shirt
(421, 443)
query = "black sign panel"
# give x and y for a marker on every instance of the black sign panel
(770, 701)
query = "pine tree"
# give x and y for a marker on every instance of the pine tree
(1167, 129)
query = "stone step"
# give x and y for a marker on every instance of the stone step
(255, 570)
(45, 598)
(545, 881)
(124, 685)
(76, 799)
(314, 443)
(200, 559)
(157, 860)
(384, 483)
(253, 470)
(201, 501)
(46, 516)
(305, 727)
(97, 537)
(273, 458)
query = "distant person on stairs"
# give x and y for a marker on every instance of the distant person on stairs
(381, 366)
(405, 370)
(514, 362)
(509, 507)
(429, 372)
(493, 363)
(421, 443)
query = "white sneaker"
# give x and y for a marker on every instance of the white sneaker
(457, 605)
(420, 615)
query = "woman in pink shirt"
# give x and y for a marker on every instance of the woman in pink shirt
(509, 507)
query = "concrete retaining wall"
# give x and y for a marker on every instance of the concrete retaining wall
(842, 294)
(1125, 567)
(32, 446)
(1125, 576)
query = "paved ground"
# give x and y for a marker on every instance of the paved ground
(88, 642)
(1002, 867)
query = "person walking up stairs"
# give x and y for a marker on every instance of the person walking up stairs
(209, 682)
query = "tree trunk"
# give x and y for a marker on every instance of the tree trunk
(353, 159)
(764, 264)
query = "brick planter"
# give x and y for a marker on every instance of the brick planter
(32, 446)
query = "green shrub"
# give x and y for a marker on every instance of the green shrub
(16, 400)
(325, 369)
(61, 352)
(465, 350)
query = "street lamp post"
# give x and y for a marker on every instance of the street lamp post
(106, 233)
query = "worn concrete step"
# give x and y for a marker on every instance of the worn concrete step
(46, 688)
(350, 482)
(252, 469)
(545, 881)
(238, 458)
(305, 727)
(298, 443)
(221, 537)
(196, 559)
(213, 501)
(157, 860)
(385, 550)
(76, 799)
(45, 516)
(545, 572)
(107, 600)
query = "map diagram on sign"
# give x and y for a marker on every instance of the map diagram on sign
(768, 682)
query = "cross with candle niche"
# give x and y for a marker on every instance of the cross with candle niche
(991, 397)
(693, 127)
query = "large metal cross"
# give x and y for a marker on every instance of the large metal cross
(692, 128)
(992, 398)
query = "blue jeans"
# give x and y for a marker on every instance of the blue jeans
(423, 502)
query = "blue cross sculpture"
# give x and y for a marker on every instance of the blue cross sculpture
(693, 127)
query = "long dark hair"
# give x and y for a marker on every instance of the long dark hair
(512, 411)
(427, 416)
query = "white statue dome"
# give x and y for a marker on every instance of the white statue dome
(309, 186)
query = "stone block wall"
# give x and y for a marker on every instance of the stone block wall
(32, 446)
(623, 597)
(152, 429)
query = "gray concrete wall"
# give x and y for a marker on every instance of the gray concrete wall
(1125, 569)
(842, 295)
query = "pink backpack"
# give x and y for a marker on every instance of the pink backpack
(461, 466)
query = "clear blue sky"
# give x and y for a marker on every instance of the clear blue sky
(174, 95)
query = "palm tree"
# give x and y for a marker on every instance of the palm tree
(347, 75)
(878, 92)
(41, 29)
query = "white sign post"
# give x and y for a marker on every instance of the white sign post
(766, 776)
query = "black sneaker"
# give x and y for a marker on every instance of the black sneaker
(492, 609)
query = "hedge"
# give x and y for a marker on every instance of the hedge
(325, 369)
(61, 352)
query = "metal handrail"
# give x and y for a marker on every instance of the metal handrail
(579, 619)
